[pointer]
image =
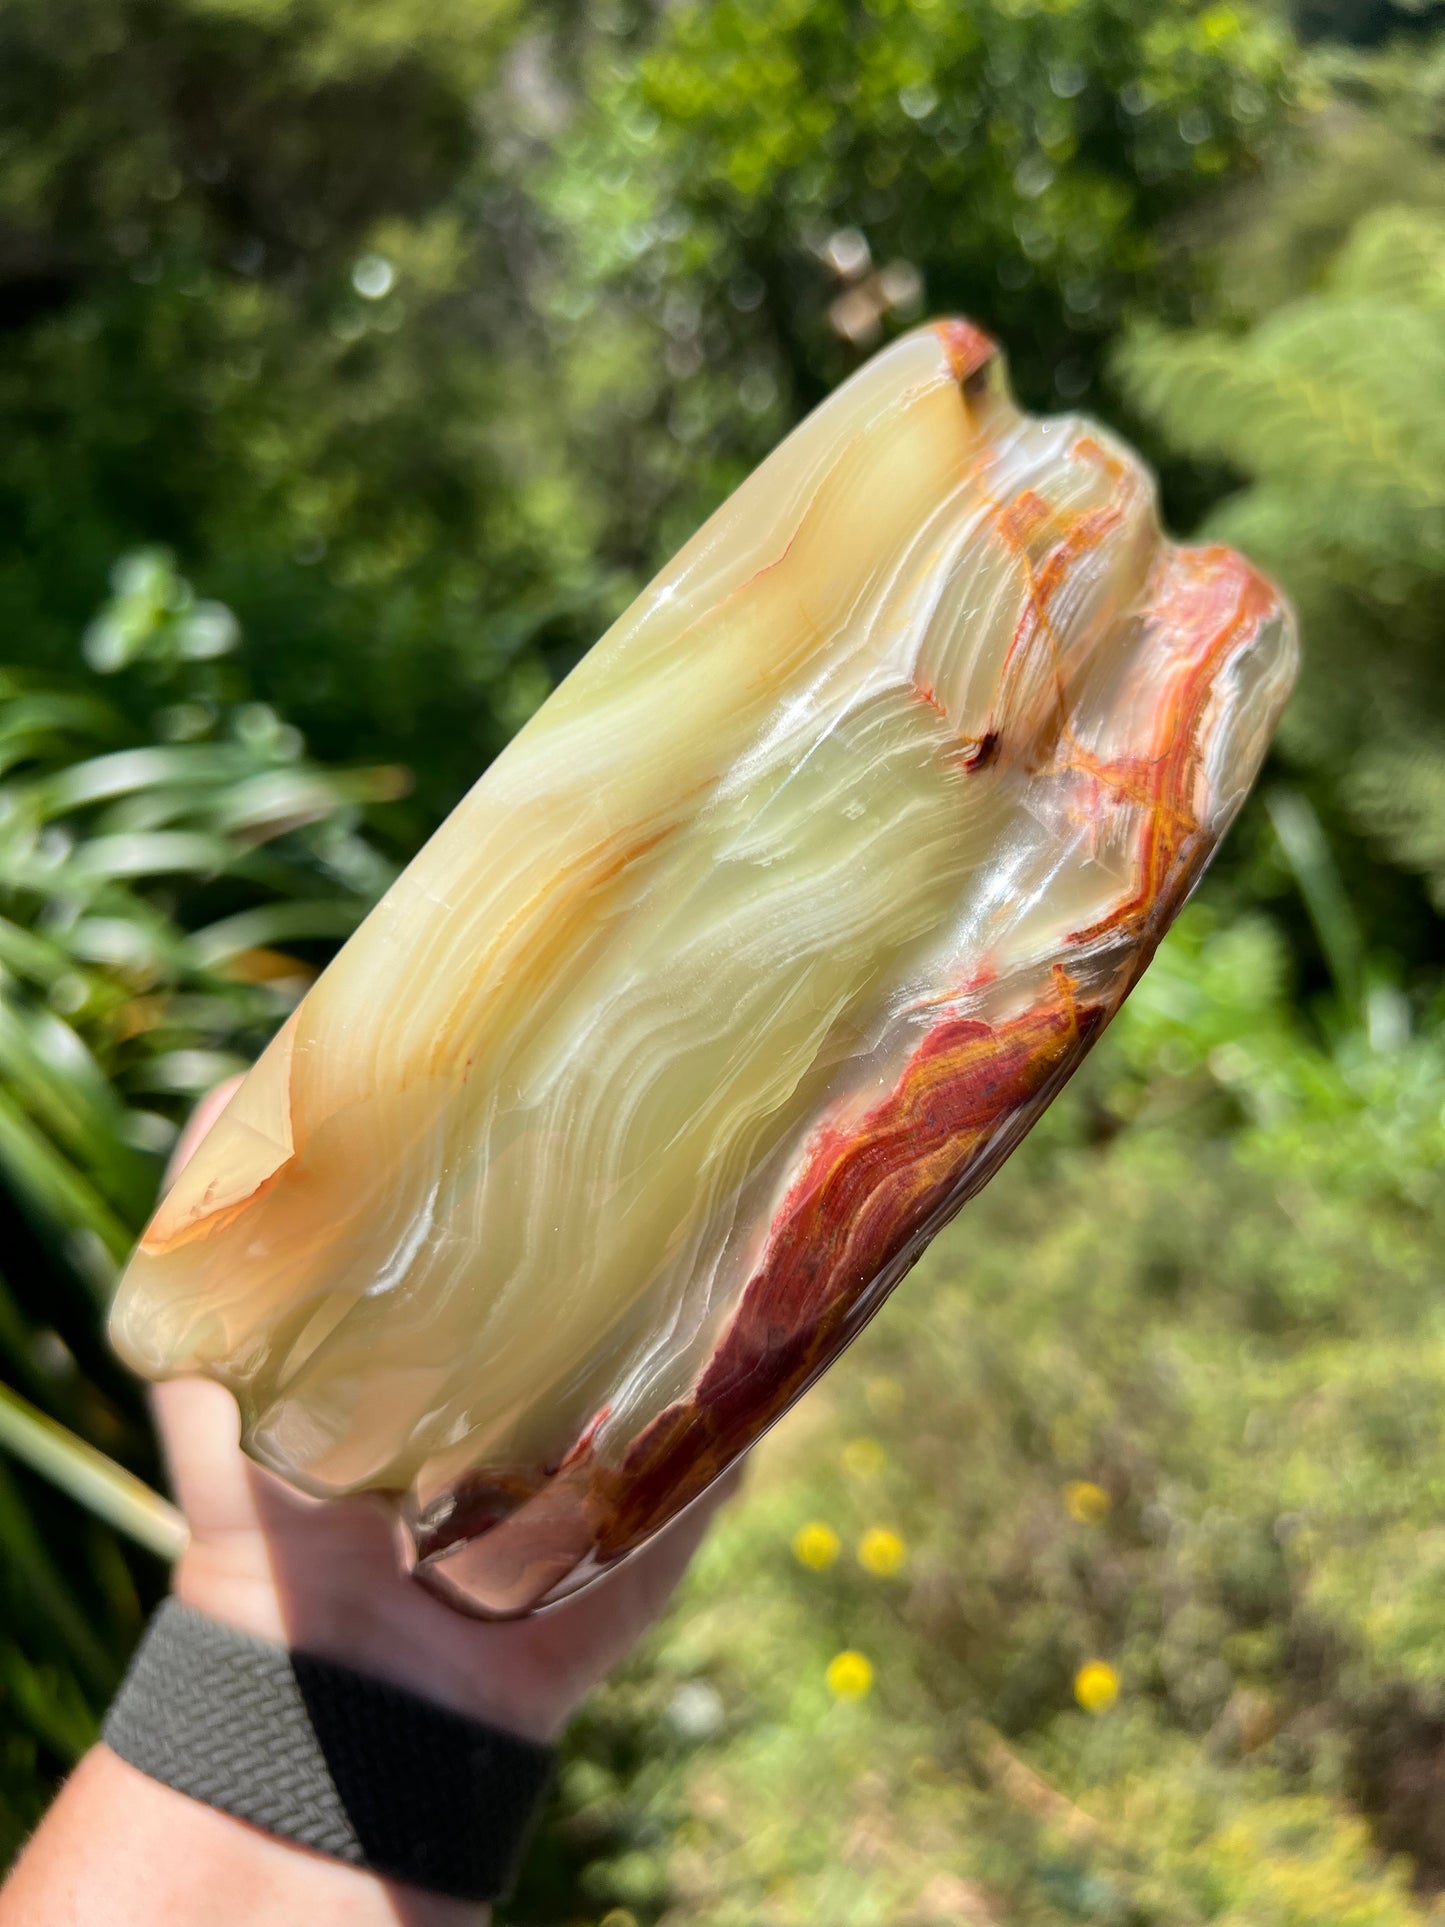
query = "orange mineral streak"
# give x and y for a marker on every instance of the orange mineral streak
(1208, 604)
(551, 919)
(968, 348)
(259, 1142)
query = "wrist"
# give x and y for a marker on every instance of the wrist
(362, 1613)
(120, 1847)
(326, 1758)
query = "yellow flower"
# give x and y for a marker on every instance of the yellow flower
(1096, 1686)
(1220, 24)
(849, 1675)
(864, 1458)
(816, 1546)
(1086, 1502)
(881, 1552)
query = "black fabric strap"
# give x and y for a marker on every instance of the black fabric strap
(335, 1760)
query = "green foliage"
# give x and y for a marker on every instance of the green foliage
(1321, 385)
(1205, 1288)
(1332, 406)
(1023, 160)
(259, 304)
(141, 884)
(772, 188)
(1364, 23)
(146, 877)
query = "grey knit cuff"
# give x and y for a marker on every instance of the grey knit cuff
(329, 1758)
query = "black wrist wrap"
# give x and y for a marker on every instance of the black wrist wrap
(331, 1759)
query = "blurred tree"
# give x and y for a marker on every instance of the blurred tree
(263, 301)
(1332, 405)
(423, 332)
(1364, 23)
(782, 185)
(739, 202)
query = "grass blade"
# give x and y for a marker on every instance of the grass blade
(107, 1489)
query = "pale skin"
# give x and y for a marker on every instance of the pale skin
(120, 1848)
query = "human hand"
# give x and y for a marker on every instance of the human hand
(122, 1847)
(324, 1577)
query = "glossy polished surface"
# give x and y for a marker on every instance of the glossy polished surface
(747, 963)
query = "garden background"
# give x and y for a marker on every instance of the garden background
(359, 359)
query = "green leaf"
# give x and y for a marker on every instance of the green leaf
(102, 778)
(38, 959)
(160, 853)
(51, 1187)
(48, 1596)
(96, 1482)
(275, 923)
(1307, 852)
(44, 1699)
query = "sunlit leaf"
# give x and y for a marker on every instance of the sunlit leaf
(97, 1482)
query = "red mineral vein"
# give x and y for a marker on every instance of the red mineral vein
(868, 1193)
(865, 1195)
